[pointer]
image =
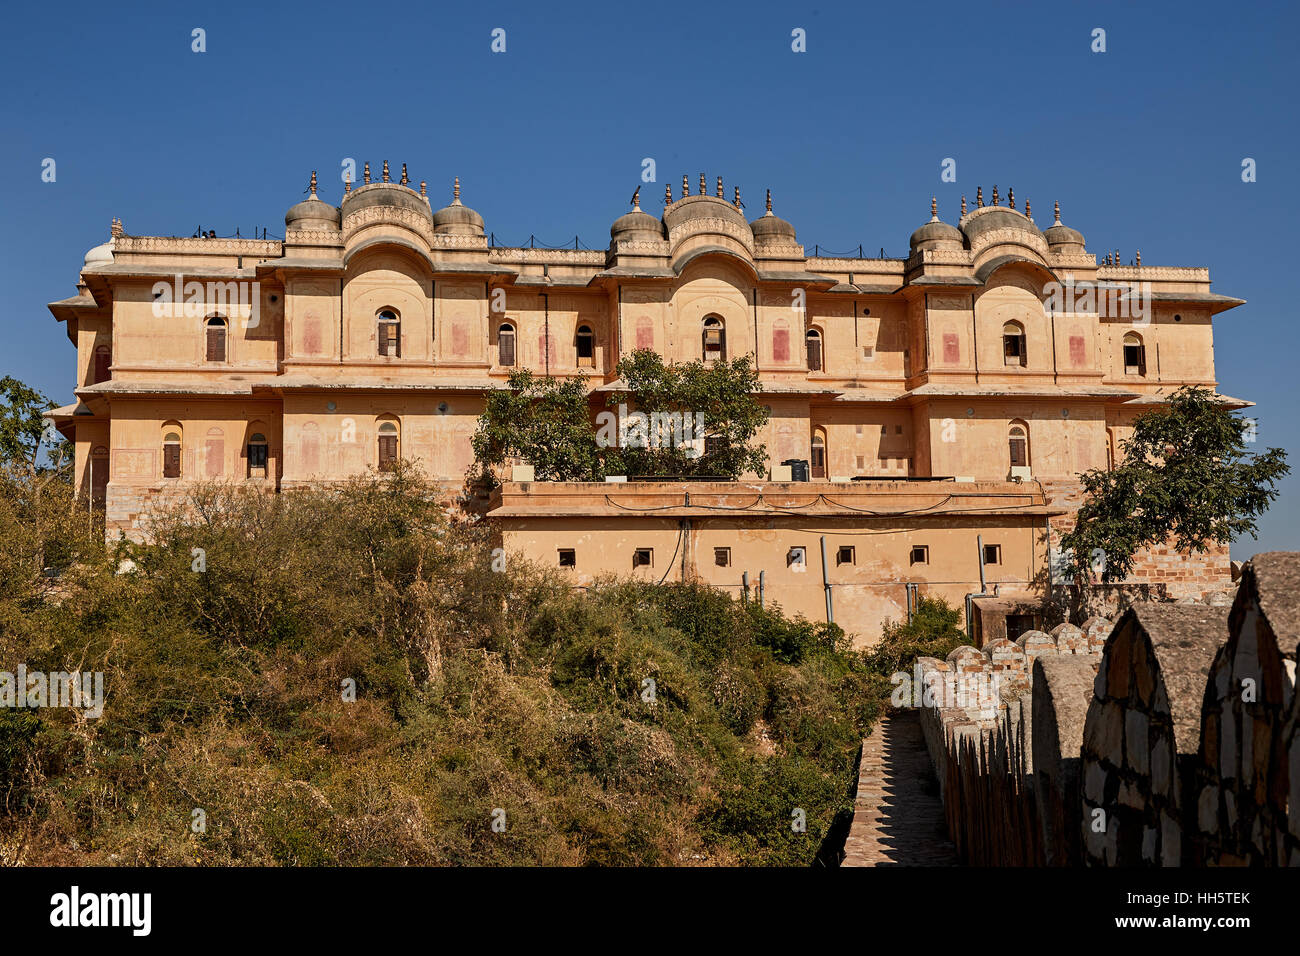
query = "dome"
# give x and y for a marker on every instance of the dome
(702, 207)
(1062, 238)
(99, 255)
(312, 213)
(771, 228)
(990, 218)
(457, 219)
(392, 195)
(936, 234)
(636, 225)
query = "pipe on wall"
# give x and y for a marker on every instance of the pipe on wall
(826, 584)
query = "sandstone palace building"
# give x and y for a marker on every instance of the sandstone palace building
(929, 415)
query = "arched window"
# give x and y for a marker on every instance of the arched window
(390, 334)
(258, 454)
(1018, 445)
(1135, 355)
(817, 464)
(715, 340)
(586, 346)
(1013, 344)
(506, 345)
(814, 350)
(216, 339)
(98, 476)
(387, 446)
(103, 359)
(171, 451)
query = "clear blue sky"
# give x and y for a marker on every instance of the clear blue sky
(1141, 144)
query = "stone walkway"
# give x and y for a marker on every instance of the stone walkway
(898, 816)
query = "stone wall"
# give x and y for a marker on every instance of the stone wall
(1171, 738)
(979, 724)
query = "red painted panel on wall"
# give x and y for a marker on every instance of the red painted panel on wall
(459, 340)
(951, 349)
(214, 454)
(645, 333)
(781, 345)
(1078, 351)
(311, 334)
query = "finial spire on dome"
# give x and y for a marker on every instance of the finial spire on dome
(116, 230)
(686, 185)
(995, 194)
(366, 174)
(1011, 196)
(424, 189)
(404, 181)
(311, 187)
(979, 197)
(1056, 210)
(347, 183)
(668, 194)
(736, 202)
(934, 209)
(1138, 257)
(386, 179)
(704, 185)
(1027, 215)
(963, 205)
(455, 192)
(636, 199)
(769, 203)
(719, 187)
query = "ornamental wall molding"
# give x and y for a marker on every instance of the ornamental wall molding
(780, 250)
(642, 247)
(947, 257)
(418, 223)
(580, 257)
(1178, 273)
(1011, 235)
(859, 267)
(194, 246)
(718, 226)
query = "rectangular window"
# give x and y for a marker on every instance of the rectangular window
(388, 339)
(216, 351)
(815, 354)
(171, 460)
(1018, 457)
(257, 456)
(643, 558)
(845, 555)
(920, 554)
(506, 349)
(722, 557)
(796, 558)
(1135, 360)
(992, 554)
(568, 558)
(818, 461)
(387, 452)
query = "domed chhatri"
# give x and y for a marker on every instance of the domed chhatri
(1062, 238)
(771, 228)
(457, 219)
(935, 234)
(702, 206)
(984, 219)
(101, 254)
(312, 212)
(636, 224)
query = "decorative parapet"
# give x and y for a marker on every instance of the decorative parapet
(714, 225)
(196, 246)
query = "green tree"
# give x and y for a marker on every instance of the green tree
(1185, 477)
(723, 392)
(544, 421)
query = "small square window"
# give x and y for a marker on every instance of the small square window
(845, 555)
(920, 554)
(796, 558)
(992, 554)
(722, 557)
(862, 462)
(898, 429)
(643, 558)
(568, 558)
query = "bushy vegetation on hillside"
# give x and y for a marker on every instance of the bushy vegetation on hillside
(630, 724)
